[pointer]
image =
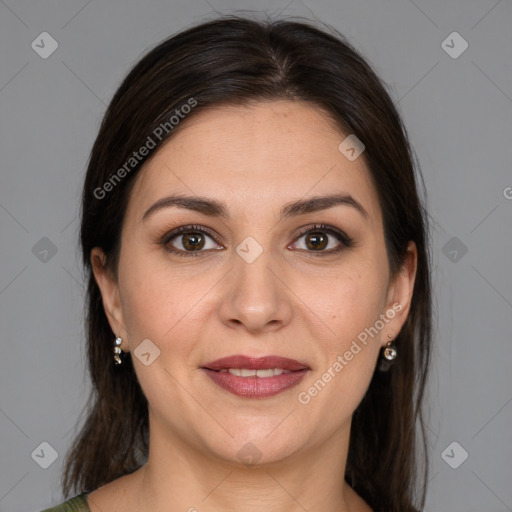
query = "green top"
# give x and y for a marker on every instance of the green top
(76, 504)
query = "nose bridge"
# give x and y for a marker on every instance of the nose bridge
(254, 296)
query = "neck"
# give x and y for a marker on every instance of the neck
(193, 479)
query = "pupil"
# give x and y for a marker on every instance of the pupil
(316, 241)
(193, 241)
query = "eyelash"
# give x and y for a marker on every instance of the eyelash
(343, 238)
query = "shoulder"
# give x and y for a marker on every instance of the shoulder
(76, 504)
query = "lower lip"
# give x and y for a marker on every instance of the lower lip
(255, 387)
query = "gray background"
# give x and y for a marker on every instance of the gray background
(458, 112)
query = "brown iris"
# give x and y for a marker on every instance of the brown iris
(193, 241)
(316, 240)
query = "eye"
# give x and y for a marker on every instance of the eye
(322, 239)
(189, 239)
(193, 240)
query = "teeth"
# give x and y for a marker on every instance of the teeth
(244, 372)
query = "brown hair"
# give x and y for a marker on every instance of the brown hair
(234, 60)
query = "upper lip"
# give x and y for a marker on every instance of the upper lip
(255, 363)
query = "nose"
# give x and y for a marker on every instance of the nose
(255, 296)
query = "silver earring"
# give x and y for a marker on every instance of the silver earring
(389, 352)
(388, 355)
(117, 351)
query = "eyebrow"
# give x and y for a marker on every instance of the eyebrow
(214, 208)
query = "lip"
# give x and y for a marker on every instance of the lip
(255, 387)
(255, 363)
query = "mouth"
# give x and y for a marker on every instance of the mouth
(255, 377)
(267, 363)
(247, 372)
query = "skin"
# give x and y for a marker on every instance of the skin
(290, 301)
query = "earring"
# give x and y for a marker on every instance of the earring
(388, 355)
(117, 351)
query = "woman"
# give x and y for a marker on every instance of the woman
(259, 309)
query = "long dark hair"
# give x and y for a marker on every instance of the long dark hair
(234, 60)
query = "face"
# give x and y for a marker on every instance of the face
(267, 277)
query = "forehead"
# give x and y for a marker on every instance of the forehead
(265, 153)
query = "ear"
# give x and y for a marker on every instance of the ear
(109, 290)
(400, 294)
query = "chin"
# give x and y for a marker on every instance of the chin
(255, 446)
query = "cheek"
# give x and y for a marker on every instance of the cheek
(350, 305)
(347, 363)
(163, 303)
(348, 301)
(158, 305)
(152, 299)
